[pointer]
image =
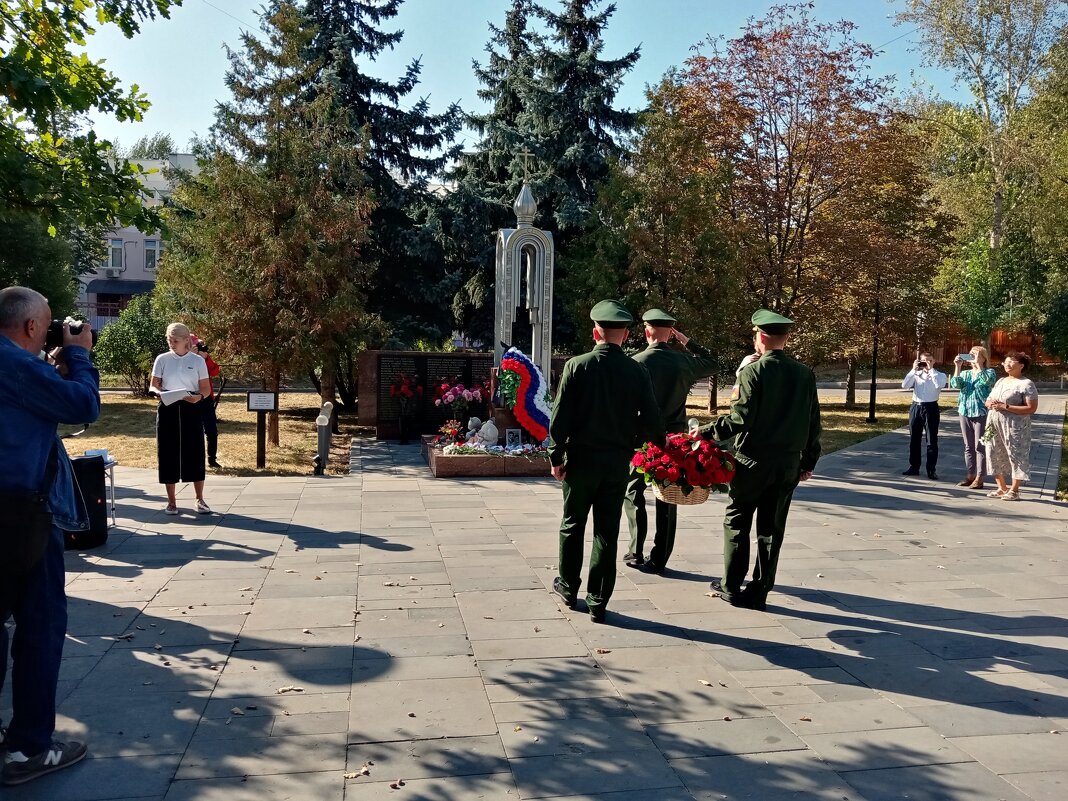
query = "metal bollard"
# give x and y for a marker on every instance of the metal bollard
(322, 458)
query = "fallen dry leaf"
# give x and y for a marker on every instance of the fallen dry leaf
(806, 719)
(237, 711)
(604, 650)
(411, 714)
(706, 683)
(726, 717)
(389, 584)
(289, 688)
(518, 728)
(158, 647)
(305, 631)
(291, 571)
(245, 589)
(317, 578)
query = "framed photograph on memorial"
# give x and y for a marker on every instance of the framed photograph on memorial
(513, 437)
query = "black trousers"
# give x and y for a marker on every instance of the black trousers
(211, 426)
(923, 417)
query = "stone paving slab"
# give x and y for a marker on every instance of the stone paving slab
(915, 645)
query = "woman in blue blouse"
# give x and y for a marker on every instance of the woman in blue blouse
(974, 379)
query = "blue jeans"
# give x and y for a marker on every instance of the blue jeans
(39, 608)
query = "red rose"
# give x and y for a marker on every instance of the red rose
(673, 473)
(638, 460)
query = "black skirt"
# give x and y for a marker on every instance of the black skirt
(180, 442)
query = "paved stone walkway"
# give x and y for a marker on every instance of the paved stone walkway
(915, 647)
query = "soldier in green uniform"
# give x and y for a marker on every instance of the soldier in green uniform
(673, 372)
(604, 410)
(775, 425)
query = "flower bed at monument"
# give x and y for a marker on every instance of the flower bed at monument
(454, 461)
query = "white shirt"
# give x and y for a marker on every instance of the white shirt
(180, 372)
(926, 385)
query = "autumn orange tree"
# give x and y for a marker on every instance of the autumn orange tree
(790, 109)
(266, 240)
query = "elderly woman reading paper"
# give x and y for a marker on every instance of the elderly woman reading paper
(180, 378)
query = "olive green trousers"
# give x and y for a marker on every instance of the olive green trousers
(599, 489)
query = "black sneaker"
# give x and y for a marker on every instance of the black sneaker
(911, 472)
(635, 560)
(214, 463)
(596, 613)
(19, 768)
(649, 566)
(3, 740)
(558, 589)
(932, 475)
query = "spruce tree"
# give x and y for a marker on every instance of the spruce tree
(569, 114)
(487, 180)
(552, 95)
(406, 148)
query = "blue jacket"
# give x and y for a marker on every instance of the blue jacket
(34, 399)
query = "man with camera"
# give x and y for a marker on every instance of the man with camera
(926, 384)
(37, 500)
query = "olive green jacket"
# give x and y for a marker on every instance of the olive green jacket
(776, 416)
(604, 409)
(673, 372)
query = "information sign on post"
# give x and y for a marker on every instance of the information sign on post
(261, 403)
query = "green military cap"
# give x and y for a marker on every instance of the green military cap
(611, 314)
(658, 318)
(771, 323)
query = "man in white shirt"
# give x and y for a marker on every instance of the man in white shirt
(926, 384)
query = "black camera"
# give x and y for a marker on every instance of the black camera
(202, 348)
(921, 365)
(54, 337)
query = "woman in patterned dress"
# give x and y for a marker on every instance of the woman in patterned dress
(1011, 403)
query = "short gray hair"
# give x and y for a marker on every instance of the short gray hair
(19, 304)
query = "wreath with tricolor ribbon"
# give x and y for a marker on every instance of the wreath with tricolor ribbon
(524, 390)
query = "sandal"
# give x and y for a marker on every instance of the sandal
(998, 493)
(1011, 496)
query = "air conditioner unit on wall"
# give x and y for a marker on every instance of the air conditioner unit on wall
(111, 272)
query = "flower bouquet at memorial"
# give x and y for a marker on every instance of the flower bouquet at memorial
(406, 390)
(684, 471)
(450, 433)
(459, 397)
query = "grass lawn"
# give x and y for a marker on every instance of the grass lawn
(126, 427)
(844, 426)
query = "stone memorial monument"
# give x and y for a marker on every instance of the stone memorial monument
(525, 283)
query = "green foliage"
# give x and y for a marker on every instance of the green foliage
(1055, 328)
(977, 285)
(31, 257)
(128, 346)
(53, 170)
(155, 146)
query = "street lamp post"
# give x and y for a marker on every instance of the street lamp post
(874, 351)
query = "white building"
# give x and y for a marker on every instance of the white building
(132, 256)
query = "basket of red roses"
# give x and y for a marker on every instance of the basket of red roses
(685, 470)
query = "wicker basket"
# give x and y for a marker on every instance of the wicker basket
(672, 493)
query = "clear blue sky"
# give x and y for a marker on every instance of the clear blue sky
(180, 62)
